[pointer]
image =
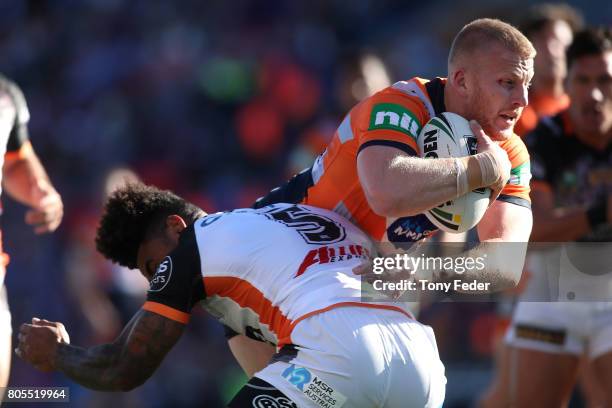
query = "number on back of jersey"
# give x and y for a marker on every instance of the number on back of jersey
(313, 228)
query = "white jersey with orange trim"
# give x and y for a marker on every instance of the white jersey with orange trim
(263, 271)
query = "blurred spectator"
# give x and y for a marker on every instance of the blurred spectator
(550, 27)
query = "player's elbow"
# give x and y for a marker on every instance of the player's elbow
(131, 378)
(380, 203)
(386, 202)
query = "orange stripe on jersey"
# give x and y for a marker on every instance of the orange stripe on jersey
(353, 304)
(344, 304)
(23, 151)
(518, 186)
(166, 311)
(248, 296)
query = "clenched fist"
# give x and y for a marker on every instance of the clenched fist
(38, 342)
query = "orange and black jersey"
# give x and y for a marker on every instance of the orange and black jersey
(392, 117)
(575, 173)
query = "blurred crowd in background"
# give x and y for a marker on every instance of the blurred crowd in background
(218, 101)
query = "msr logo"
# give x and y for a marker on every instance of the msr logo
(328, 254)
(298, 376)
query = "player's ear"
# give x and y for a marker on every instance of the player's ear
(460, 81)
(175, 224)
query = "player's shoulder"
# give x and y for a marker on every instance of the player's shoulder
(414, 95)
(516, 149)
(408, 103)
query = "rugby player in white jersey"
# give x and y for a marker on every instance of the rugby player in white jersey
(282, 273)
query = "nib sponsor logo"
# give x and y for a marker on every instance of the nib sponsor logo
(329, 254)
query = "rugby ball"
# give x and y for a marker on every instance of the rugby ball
(449, 135)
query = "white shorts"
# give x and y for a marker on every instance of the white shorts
(562, 327)
(359, 357)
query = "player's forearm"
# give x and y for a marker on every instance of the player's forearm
(412, 185)
(99, 368)
(496, 263)
(126, 363)
(26, 180)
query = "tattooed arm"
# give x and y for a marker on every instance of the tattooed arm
(119, 366)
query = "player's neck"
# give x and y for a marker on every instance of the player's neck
(453, 101)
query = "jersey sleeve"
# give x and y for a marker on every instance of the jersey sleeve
(19, 136)
(517, 189)
(177, 284)
(390, 120)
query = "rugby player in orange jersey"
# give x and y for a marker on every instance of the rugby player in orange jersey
(24, 179)
(371, 172)
(550, 28)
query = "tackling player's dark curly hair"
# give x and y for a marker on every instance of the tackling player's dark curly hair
(134, 213)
